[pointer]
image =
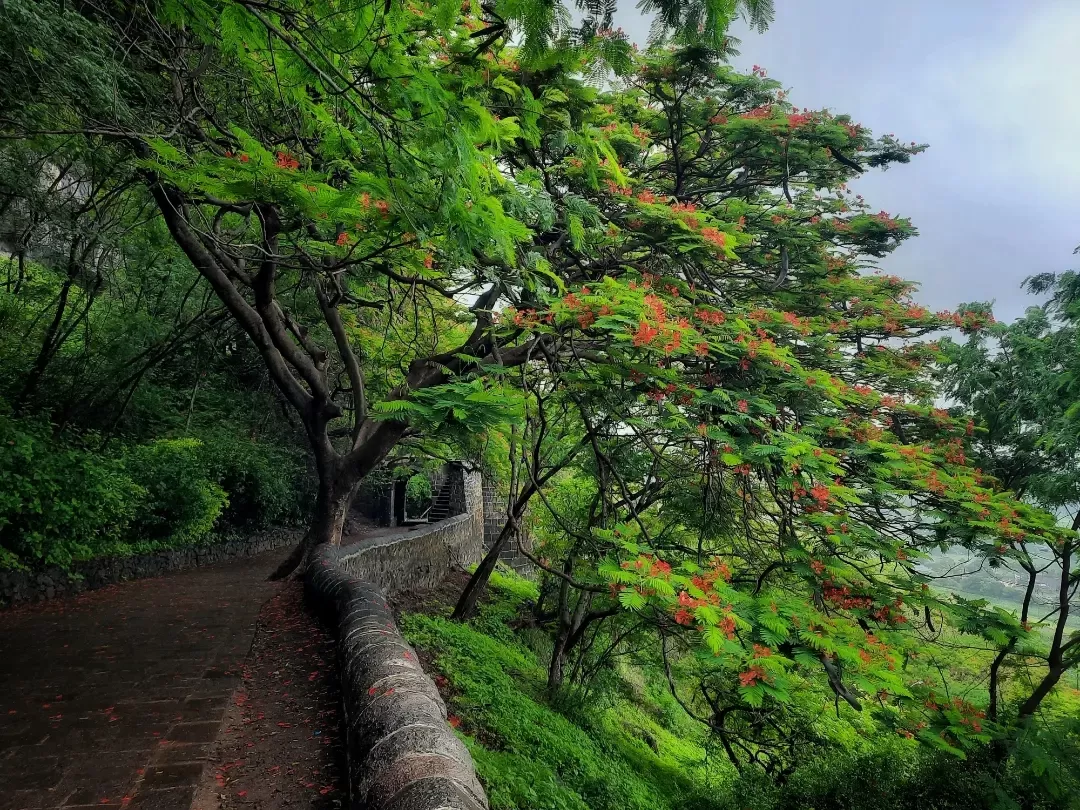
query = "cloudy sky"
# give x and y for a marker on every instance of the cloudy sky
(992, 85)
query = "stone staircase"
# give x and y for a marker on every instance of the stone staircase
(440, 506)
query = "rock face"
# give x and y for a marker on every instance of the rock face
(402, 753)
(21, 586)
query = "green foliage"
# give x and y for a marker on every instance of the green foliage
(515, 781)
(516, 590)
(628, 730)
(116, 349)
(62, 499)
(58, 501)
(67, 53)
(469, 406)
(528, 754)
(417, 492)
(346, 192)
(1015, 383)
(265, 485)
(182, 503)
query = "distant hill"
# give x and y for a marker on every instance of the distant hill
(1004, 585)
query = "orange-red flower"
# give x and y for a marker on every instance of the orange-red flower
(645, 334)
(287, 161)
(713, 236)
(751, 676)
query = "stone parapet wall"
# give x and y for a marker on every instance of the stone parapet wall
(419, 556)
(416, 557)
(402, 753)
(34, 586)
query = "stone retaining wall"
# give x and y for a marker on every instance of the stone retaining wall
(33, 586)
(416, 557)
(402, 754)
(494, 519)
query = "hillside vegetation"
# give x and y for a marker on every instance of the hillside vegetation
(258, 255)
(623, 741)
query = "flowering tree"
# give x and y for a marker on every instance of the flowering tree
(331, 170)
(768, 467)
(1015, 383)
(401, 212)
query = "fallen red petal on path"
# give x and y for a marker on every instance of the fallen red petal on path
(281, 691)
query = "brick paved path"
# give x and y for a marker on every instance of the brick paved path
(111, 699)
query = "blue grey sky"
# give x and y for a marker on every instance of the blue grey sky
(993, 87)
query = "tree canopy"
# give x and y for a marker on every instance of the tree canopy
(638, 273)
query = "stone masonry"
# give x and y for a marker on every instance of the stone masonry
(402, 753)
(34, 586)
(111, 699)
(494, 519)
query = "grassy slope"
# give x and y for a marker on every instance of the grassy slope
(636, 751)
(627, 745)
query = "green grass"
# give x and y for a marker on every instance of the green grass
(627, 744)
(636, 750)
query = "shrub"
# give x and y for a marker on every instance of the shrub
(417, 493)
(59, 502)
(182, 501)
(266, 485)
(62, 501)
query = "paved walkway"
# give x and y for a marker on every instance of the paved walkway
(112, 698)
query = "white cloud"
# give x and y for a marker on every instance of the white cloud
(1013, 95)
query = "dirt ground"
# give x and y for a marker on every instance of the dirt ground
(435, 602)
(280, 745)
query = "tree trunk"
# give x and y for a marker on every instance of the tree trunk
(22, 272)
(568, 624)
(328, 521)
(466, 605)
(298, 366)
(558, 656)
(1049, 681)
(995, 667)
(46, 352)
(1056, 659)
(332, 504)
(477, 584)
(562, 611)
